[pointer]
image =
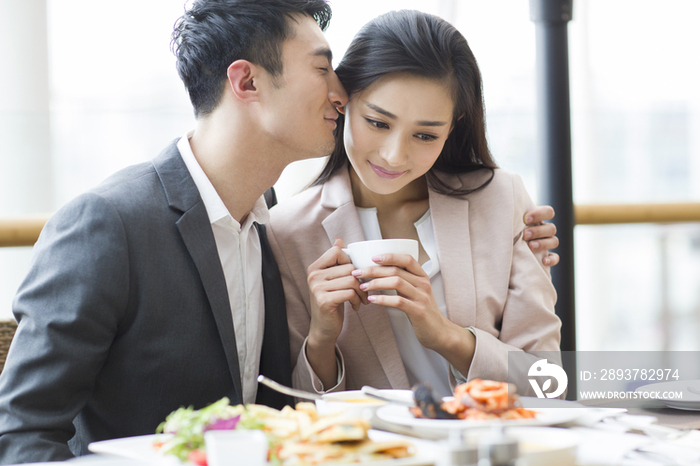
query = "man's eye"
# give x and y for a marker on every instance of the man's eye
(325, 70)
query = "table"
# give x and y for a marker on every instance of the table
(668, 417)
(602, 443)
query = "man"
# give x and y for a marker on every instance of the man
(145, 294)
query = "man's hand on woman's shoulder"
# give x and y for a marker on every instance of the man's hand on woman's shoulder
(540, 235)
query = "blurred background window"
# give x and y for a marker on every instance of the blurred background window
(90, 87)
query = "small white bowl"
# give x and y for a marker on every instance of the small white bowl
(352, 403)
(355, 403)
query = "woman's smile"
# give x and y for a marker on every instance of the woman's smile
(384, 173)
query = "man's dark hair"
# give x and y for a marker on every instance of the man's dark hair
(212, 34)
(424, 45)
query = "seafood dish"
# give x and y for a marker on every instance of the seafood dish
(474, 400)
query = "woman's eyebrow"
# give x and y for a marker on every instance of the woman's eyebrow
(431, 123)
(379, 109)
(388, 114)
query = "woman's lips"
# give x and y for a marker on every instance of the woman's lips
(384, 173)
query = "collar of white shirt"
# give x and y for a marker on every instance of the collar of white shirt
(216, 210)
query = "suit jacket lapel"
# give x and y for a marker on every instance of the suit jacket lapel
(275, 358)
(195, 228)
(451, 224)
(344, 222)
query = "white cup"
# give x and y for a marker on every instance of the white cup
(362, 252)
(233, 447)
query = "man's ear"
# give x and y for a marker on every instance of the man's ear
(242, 77)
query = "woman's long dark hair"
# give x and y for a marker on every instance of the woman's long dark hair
(420, 44)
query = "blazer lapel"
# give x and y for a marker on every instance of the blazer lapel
(275, 358)
(344, 223)
(451, 224)
(196, 232)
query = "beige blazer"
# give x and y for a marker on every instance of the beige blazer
(492, 280)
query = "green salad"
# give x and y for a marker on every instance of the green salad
(188, 425)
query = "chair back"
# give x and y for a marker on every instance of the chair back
(7, 332)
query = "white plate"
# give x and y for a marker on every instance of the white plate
(689, 388)
(426, 451)
(550, 416)
(141, 448)
(135, 448)
(531, 402)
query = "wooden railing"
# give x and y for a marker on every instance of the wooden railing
(21, 231)
(605, 214)
(24, 231)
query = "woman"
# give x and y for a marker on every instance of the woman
(411, 161)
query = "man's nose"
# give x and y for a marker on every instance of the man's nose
(336, 92)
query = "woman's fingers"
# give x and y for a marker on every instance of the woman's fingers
(394, 301)
(333, 256)
(396, 283)
(417, 302)
(330, 300)
(335, 279)
(331, 283)
(330, 273)
(392, 261)
(414, 294)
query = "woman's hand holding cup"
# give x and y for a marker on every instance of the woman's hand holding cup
(413, 295)
(331, 284)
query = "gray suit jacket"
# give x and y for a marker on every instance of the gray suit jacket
(124, 316)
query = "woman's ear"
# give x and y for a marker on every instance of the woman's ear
(242, 77)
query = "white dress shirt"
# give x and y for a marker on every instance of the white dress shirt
(241, 259)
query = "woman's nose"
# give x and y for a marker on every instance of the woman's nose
(395, 151)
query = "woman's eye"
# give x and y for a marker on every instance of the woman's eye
(377, 124)
(426, 137)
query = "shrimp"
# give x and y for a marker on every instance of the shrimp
(475, 400)
(488, 394)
